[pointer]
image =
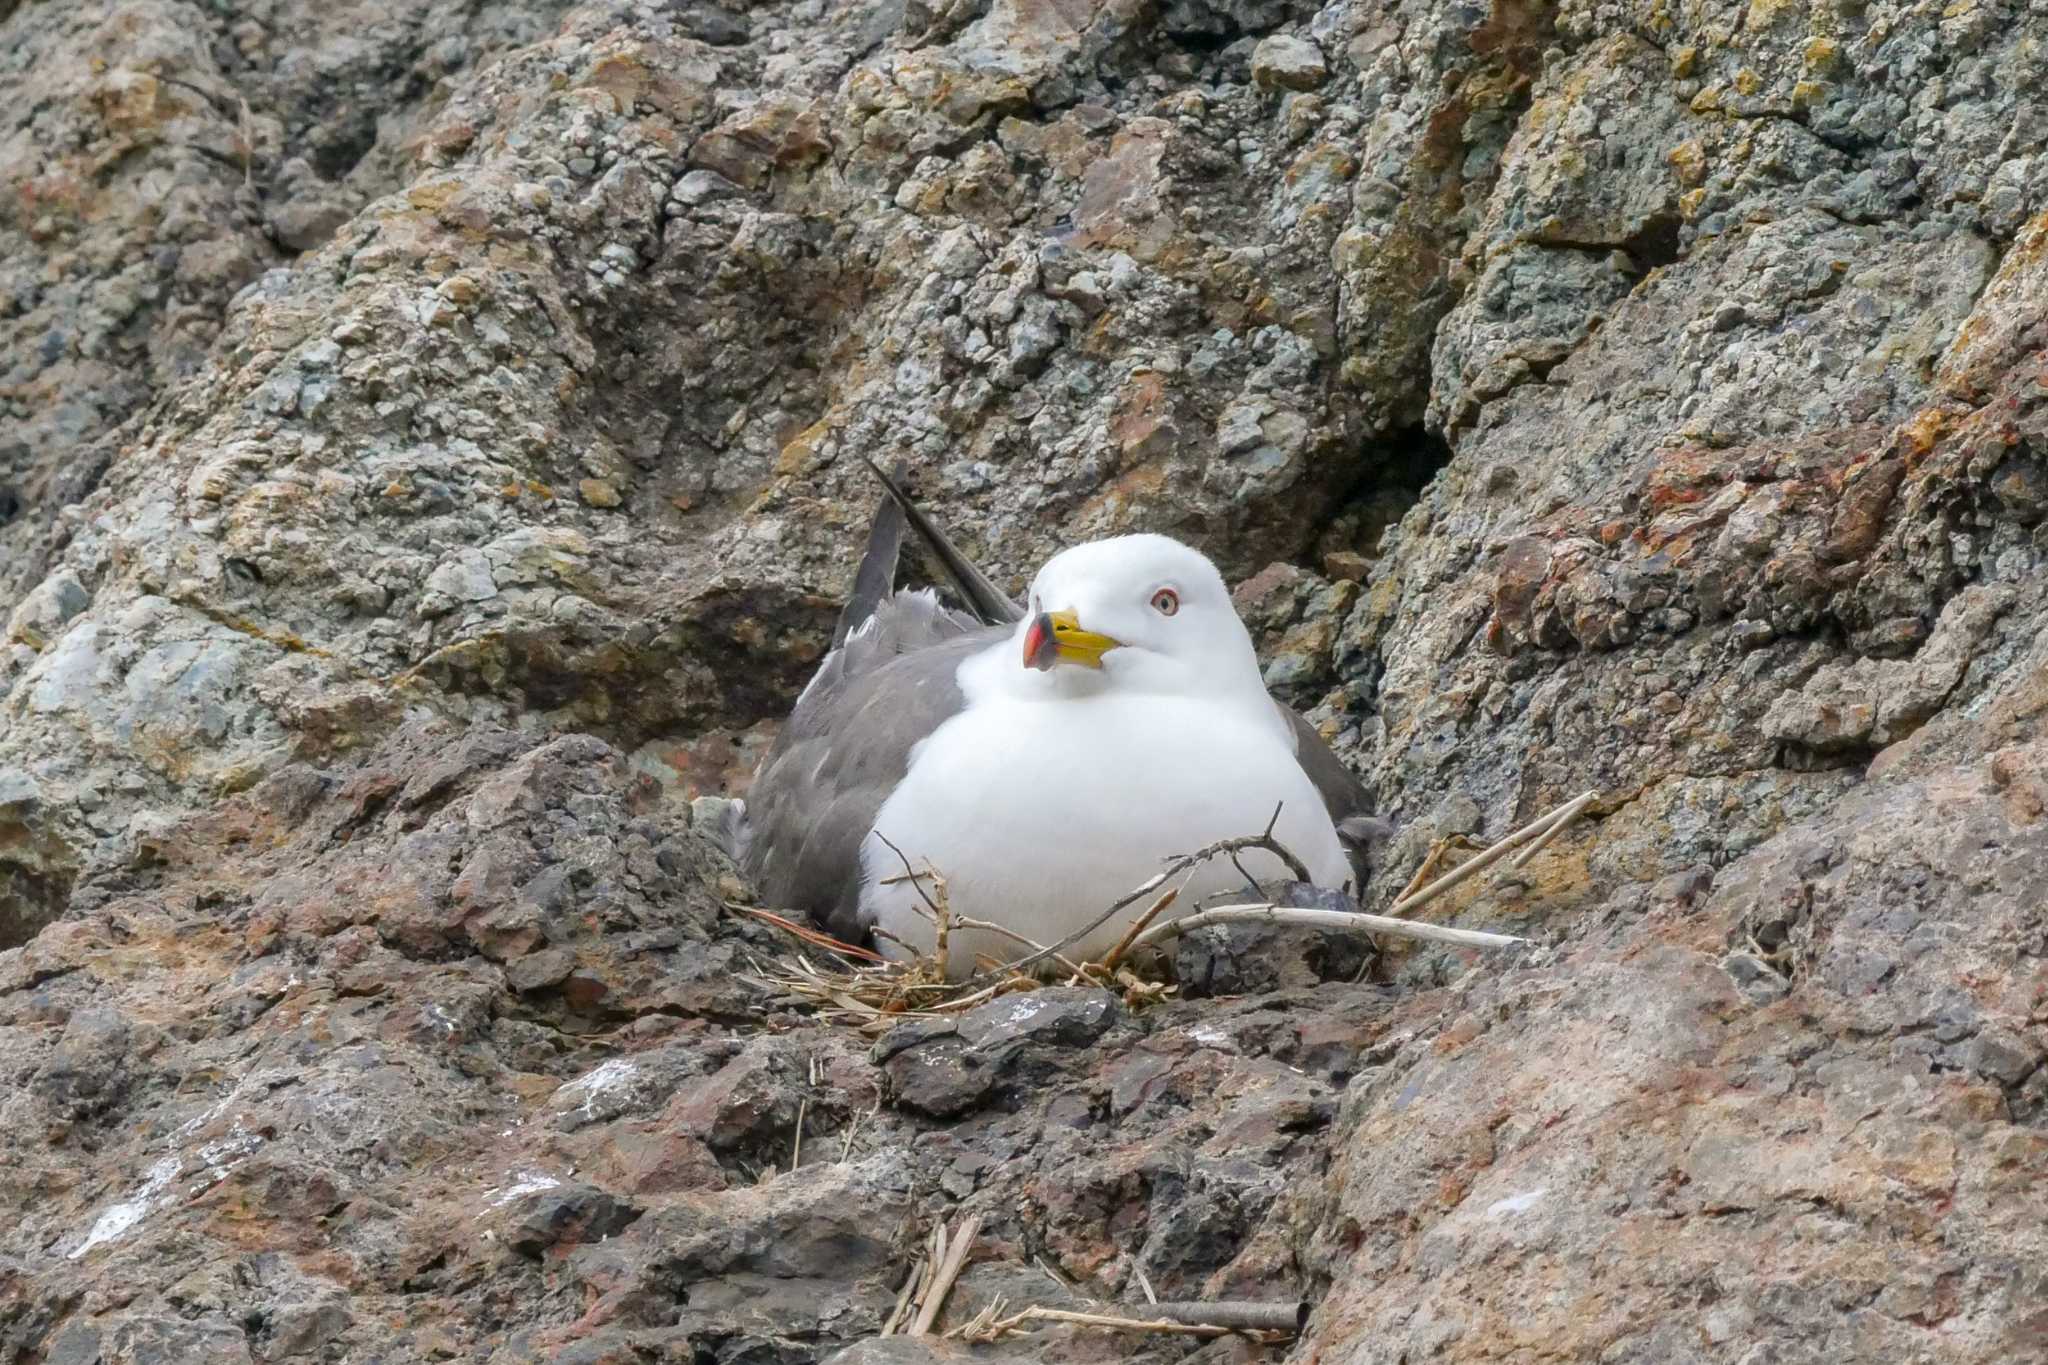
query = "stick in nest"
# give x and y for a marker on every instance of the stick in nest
(1124, 944)
(1431, 861)
(904, 1298)
(808, 934)
(1557, 826)
(1251, 1315)
(942, 915)
(853, 1129)
(1531, 838)
(968, 922)
(1307, 917)
(796, 1145)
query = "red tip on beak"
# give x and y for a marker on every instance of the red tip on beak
(1040, 649)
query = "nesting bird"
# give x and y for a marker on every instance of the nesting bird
(1043, 760)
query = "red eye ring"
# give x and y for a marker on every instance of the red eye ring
(1166, 601)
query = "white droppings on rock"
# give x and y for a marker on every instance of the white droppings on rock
(1513, 1204)
(1022, 1012)
(592, 1084)
(118, 1219)
(523, 1183)
(224, 1154)
(193, 1125)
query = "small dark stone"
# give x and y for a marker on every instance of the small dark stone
(941, 1078)
(1759, 984)
(1685, 888)
(1059, 1017)
(538, 971)
(77, 1344)
(300, 1329)
(714, 26)
(948, 1067)
(2002, 1057)
(568, 1215)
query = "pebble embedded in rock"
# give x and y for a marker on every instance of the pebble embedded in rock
(1286, 62)
(460, 290)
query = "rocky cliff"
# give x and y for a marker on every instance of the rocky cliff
(426, 442)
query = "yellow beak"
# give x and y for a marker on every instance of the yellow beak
(1057, 637)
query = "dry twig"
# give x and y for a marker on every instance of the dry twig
(937, 904)
(808, 934)
(1492, 854)
(904, 1297)
(245, 129)
(961, 921)
(999, 1327)
(950, 1260)
(1250, 1315)
(853, 1130)
(981, 1327)
(1123, 945)
(1431, 861)
(1558, 826)
(872, 998)
(1354, 921)
(1050, 1273)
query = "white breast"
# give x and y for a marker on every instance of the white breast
(1039, 815)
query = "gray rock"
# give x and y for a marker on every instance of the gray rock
(565, 1214)
(1287, 62)
(946, 1067)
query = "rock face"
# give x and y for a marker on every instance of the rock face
(425, 465)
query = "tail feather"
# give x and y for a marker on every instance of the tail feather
(875, 579)
(724, 821)
(982, 596)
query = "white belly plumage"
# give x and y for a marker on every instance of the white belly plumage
(1040, 815)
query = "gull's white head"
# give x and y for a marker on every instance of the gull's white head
(1140, 613)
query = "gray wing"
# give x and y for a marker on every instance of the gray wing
(844, 749)
(1344, 796)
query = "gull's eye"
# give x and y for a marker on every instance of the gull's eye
(1166, 601)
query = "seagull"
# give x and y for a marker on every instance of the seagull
(1041, 760)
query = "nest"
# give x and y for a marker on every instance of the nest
(860, 988)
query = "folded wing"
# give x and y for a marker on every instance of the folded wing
(887, 683)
